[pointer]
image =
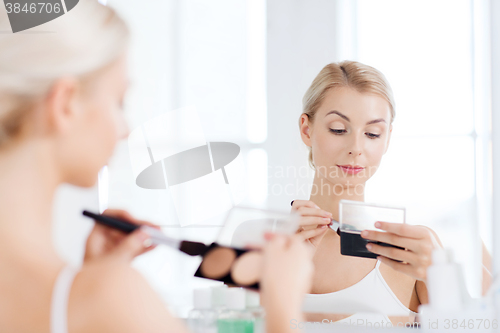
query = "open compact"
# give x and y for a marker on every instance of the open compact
(230, 259)
(233, 266)
(356, 216)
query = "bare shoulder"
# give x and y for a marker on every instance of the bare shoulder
(110, 296)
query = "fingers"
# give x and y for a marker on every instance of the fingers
(298, 243)
(252, 246)
(142, 222)
(119, 213)
(294, 243)
(403, 229)
(314, 220)
(110, 233)
(275, 244)
(269, 235)
(418, 241)
(393, 253)
(307, 211)
(136, 243)
(123, 214)
(306, 234)
(300, 203)
(390, 238)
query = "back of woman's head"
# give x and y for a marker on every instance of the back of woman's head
(351, 74)
(82, 41)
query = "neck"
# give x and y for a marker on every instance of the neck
(327, 195)
(28, 181)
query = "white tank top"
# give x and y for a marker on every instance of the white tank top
(369, 299)
(60, 296)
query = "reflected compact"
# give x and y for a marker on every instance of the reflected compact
(233, 266)
(229, 260)
(356, 216)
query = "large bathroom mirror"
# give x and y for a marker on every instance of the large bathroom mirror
(235, 71)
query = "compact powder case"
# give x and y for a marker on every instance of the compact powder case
(236, 267)
(356, 216)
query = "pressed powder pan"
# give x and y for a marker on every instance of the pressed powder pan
(247, 270)
(232, 266)
(217, 262)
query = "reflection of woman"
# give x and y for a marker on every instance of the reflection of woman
(60, 118)
(347, 124)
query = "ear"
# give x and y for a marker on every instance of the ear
(388, 138)
(61, 106)
(305, 129)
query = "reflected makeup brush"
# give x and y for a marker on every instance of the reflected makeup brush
(157, 237)
(233, 266)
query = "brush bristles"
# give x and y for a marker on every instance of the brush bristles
(193, 248)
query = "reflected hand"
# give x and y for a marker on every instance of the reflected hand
(418, 243)
(313, 221)
(103, 240)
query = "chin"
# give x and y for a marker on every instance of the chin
(346, 182)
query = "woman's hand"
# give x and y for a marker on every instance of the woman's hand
(313, 222)
(286, 277)
(104, 241)
(418, 241)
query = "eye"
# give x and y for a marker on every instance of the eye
(372, 136)
(337, 131)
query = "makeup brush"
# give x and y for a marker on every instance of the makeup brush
(157, 237)
(335, 226)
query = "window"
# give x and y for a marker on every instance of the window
(433, 54)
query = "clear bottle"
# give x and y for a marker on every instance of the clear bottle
(219, 298)
(202, 318)
(257, 311)
(445, 283)
(235, 319)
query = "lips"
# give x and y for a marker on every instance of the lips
(351, 169)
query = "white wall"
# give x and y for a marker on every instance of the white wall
(300, 41)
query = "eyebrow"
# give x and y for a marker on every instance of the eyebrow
(379, 120)
(338, 114)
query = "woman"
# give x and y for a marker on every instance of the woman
(61, 95)
(347, 123)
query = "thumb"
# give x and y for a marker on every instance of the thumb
(136, 243)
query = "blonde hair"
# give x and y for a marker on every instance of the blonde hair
(361, 77)
(80, 42)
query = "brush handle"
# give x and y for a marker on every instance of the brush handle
(157, 237)
(112, 222)
(335, 226)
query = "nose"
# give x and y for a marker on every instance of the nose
(355, 148)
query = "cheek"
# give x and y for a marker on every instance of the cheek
(328, 145)
(105, 131)
(111, 116)
(375, 151)
(111, 127)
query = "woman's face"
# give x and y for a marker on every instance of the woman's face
(349, 134)
(97, 125)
